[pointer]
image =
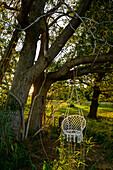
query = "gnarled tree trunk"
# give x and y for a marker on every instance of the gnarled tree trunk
(23, 81)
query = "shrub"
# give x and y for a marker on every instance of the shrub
(12, 152)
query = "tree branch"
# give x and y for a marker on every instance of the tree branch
(82, 60)
(3, 4)
(55, 20)
(81, 72)
(43, 63)
(54, 9)
(67, 32)
(65, 73)
(88, 84)
(8, 54)
(22, 16)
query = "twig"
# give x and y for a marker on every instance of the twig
(36, 20)
(44, 147)
(47, 120)
(75, 13)
(98, 53)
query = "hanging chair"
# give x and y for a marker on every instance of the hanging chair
(73, 127)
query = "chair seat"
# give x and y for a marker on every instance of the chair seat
(72, 132)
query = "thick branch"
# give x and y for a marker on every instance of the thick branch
(67, 32)
(81, 72)
(42, 63)
(65, 73)
(8, 54)
(23, 15)
(82, 60)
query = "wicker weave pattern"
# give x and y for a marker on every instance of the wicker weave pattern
(73, 126)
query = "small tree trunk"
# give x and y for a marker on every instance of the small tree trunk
(39, 104)
(94, 103)
(35, 123)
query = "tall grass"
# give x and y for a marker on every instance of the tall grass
(12, 152)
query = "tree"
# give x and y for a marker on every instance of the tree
(40, 22)
(95, 97)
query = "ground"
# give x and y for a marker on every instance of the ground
(43, 148)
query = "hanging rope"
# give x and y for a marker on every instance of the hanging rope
(68, 107)
(78, 102)
(74, 125)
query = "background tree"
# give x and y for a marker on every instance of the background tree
(95, 97)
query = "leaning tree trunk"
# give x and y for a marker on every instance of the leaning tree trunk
(36, 105)
(41, 90)
(94, 103)
(22, 80)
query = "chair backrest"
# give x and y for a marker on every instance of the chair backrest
(73, 123)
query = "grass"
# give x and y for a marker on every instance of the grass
(104, 110)
(100, 130)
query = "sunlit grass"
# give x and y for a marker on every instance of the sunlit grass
(104, 110)
(105, 114)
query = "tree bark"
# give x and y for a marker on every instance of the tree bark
(94, 103)
(39, 103)
(21, 83)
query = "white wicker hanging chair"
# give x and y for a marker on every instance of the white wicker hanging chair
(73, 127)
